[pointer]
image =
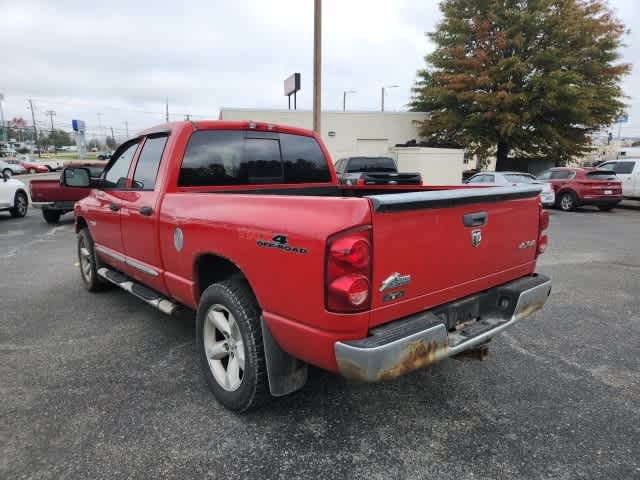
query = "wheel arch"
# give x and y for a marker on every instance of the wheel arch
(81, 223)
(210, 268)
(569, 190)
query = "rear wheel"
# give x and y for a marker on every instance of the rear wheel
(20, 205)
(89, 262)
(7, 173)
(567, 202)
(229, 341)
(51, 216)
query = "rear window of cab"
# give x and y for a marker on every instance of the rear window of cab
(237, 157)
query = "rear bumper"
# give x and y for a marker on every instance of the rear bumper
(66, 206)
(600, 200)
(414, 342)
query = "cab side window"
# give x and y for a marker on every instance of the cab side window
(144, 177)
(545, 175)
(116, 176)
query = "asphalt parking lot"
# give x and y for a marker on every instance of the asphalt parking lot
(103, 386)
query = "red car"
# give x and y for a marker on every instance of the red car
(32, 166)
(247, 224)
(575, 187)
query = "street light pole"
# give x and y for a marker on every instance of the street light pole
(382, 96)
(344, 99)
(317, 64)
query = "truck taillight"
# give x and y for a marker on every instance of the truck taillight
(543, 224)
(348, 271)
(360, 181)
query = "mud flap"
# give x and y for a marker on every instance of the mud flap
(286, 373)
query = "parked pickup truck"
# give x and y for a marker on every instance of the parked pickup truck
(246, 223)
(54, 198)
(373, 171)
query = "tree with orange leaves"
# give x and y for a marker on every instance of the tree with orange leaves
(522, 78)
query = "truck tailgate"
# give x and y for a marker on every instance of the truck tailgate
(435, 247)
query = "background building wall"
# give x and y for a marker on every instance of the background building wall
(344, 133)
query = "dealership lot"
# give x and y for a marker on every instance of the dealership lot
(102, 385)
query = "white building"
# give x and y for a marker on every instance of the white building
(369, 134)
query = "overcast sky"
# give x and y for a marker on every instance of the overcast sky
(121, 59)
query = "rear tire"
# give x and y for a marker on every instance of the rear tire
(7, 173)
(229, 344)
(20, 205)
(51, 216)
(567, 202)
(89, 263)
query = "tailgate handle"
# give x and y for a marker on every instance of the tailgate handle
(475, 219)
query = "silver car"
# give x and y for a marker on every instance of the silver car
(547, 196)
(11, 167)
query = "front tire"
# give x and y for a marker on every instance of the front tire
(89, 263)
(567, 202)
(20, 205)
(7, 172)
(51, 216)
(229, 343)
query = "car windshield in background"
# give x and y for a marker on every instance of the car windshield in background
(371, 164)
(602, 175)
(519, 178)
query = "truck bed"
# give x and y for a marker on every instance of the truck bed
(44, 191)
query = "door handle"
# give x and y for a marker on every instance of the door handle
(114, 207)
(146, 211)
(475, 219)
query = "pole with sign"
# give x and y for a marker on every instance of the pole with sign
(79, 128)
(291, 87)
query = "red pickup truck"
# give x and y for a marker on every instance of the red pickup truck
(54, 198)
(245, 223)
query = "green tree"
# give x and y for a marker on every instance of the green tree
(60, 138)
(527, 78)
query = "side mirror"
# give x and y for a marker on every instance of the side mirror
(78, 177)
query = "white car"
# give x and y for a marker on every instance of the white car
(628, 172)
(10, 168)
(13, 196)
(547, 195)
(52, 165)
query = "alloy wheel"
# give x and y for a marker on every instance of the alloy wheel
(224, 347)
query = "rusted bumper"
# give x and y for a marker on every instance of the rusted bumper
(414, 342)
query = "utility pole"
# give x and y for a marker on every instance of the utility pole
(167, 110)
(100, 132)
(317, 64)
(126, 128)
(51, 114)
(3, 129)
(35, 129)
(112, 135)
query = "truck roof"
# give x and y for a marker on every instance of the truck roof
(229, 125)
